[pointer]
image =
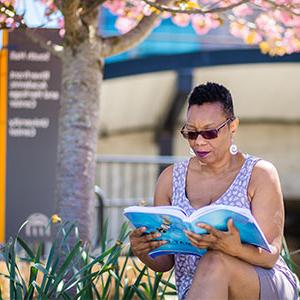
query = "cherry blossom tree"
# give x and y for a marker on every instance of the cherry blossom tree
(274, 25)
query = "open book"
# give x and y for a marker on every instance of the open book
(170, 221)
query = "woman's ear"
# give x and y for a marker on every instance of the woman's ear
(234, 125)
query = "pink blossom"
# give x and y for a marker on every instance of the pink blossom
(262, 4)
(282, 2)
(242, 10)
(9, 21)
(181, 20)
(215, 20)
(226, 3)
(8, 2)
(124, 24)
(62, 32)
(284, 17)
(115, 6)
(238, 29)
(201, 24)
(268, 25)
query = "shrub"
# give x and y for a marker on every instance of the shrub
(73, 273)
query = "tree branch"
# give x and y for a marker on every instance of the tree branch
(283, 7)
(178, 10)
(73, 24)
(192, 11)
(54, 49)
(92, 5)
(117, 44)
(57, 4)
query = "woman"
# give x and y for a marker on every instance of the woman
(219, 174)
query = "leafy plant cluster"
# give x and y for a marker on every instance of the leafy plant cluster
(74, 273)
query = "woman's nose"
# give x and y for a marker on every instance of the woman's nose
(200, 140)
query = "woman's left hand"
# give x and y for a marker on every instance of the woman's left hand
(228, 242)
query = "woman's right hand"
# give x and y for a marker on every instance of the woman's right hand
(142, 244)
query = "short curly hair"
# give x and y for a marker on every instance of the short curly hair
(212, 93)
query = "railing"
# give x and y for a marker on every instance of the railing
(125, 181)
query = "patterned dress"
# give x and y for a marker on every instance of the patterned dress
(276, 283)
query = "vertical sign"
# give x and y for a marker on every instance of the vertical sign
(3, 122)
(33, 94)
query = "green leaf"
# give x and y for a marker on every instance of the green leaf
(89, 278)
(167, 284)
(12, 271)
(104, 235)
(39, 253)
(32, 278)
(139, 293)
(41, 268)
(158, 276)
(129, 291)
(65, 265)
(105, 287)
(98, 259)
(41, 295)
(25, 246)
(149, 283)
(98, 297)
(51, 278)
(124, 266)
(48, 266)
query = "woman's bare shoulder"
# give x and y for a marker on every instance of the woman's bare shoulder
(264, 171)
(164, 186)
(264, 179)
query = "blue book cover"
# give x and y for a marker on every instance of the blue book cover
(170, 221)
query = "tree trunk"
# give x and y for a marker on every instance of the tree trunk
(78, 131)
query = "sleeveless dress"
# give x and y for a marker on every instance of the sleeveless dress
(275, 283)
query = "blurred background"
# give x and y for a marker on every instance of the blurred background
(143, 107)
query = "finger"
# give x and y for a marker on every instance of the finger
(231, 228)
(155, 244)
(202, 237)
(211, 230)
(144, 248)
(210, 238)
(151, 236)
(138, 232)
(199, 244)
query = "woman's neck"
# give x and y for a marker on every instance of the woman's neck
(227, 163)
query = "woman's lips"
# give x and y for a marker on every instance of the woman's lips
(202, 153)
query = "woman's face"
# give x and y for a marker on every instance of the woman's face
(210, 116)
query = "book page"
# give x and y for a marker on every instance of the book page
(215, 207)
(217, 216)
(169, 210)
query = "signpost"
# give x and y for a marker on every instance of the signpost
(30, 94)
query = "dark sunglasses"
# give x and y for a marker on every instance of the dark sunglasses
(207, 134)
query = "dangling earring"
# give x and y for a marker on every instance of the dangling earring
(233, 149)
(192, 153)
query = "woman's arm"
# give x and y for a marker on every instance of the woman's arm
(267, 208)
(141, 244)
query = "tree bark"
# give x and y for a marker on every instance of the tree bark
(78, 117)
(77, 137)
